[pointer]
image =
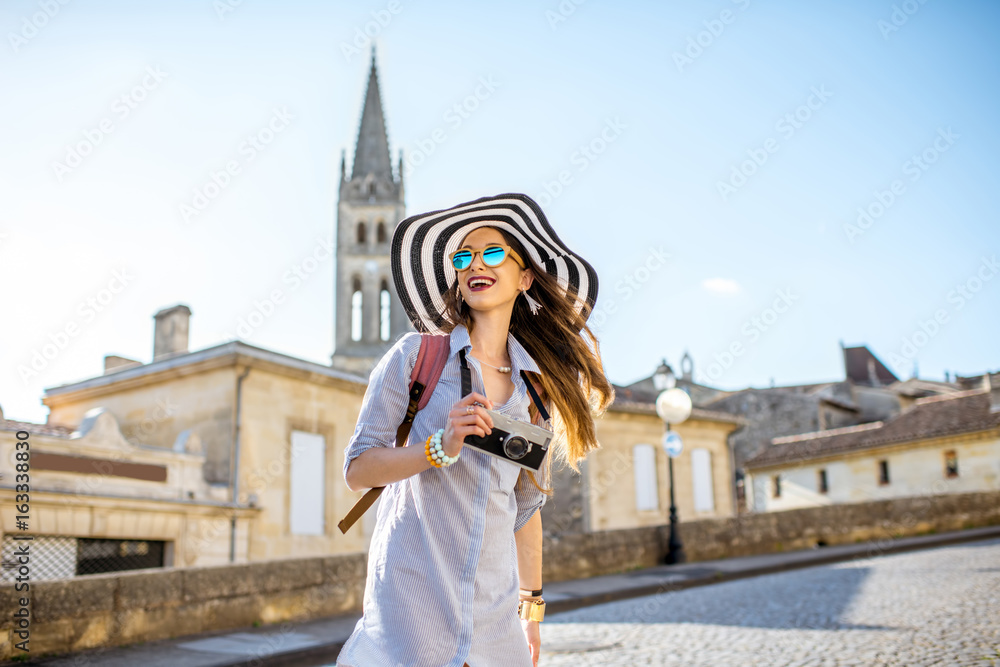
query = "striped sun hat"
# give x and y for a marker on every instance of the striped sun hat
(422, 243)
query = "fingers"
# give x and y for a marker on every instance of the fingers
(461, 414)
(475, 397)
(476, 424)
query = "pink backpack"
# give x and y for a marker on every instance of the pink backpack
(431, 359)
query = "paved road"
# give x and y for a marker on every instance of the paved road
(934, 607)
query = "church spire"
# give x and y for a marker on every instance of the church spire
(372, 153)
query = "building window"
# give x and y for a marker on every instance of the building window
(823, 485)
(95, 556)
(883, 472)
(647, 495)
(357, 310)
(307, 484)
(385, 311)
(776, 486)
(362, 233)
(380, 233)
(701, 478)
(950, 464)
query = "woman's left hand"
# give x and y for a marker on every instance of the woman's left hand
(534, 637)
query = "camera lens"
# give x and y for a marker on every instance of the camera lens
(515, 447)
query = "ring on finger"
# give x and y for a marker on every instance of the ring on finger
(469, 410)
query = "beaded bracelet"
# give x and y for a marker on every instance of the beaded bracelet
(435, 453)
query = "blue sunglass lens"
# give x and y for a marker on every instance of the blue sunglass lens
(494, 256)
(462, 260)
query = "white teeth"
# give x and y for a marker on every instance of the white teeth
(477, 282)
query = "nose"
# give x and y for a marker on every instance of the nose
(477, 261)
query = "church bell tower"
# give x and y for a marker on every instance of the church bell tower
(368, 317)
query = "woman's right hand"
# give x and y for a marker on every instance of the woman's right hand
(463, 422)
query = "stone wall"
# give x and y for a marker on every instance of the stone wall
(123, 608)
(128, 607)
(592, 554)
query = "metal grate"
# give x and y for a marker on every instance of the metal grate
(50, 557)
(59, 557)
(95, 555)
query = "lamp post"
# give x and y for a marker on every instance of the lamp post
(673, 406)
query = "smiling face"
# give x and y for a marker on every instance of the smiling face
(484, 287)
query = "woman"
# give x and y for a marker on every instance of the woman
(458, 533)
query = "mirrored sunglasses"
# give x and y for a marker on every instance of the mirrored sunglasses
(493, 256)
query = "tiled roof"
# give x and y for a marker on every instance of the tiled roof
(856, 362)
(54, 430)
(627, 401)
(934, 416)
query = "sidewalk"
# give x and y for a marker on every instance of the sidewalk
(313, 642)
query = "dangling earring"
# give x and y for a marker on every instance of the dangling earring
(458, 297)
(532, 304)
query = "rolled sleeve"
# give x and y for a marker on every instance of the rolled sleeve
(384, 405)
(529, 500)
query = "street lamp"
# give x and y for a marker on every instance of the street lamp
(673, 406)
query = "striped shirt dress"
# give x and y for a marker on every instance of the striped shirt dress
(442, 568)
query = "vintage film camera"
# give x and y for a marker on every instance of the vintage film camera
(518, 442)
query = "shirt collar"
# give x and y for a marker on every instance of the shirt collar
(519, 357)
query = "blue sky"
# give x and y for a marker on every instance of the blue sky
(713, 157)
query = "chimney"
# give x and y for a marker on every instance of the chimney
(113, 363)
(993, 383)
(171, 333)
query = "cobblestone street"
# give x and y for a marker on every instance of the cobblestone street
(935, 607)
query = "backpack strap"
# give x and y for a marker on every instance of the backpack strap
(431, 360)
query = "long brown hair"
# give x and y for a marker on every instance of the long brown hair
(567, 353)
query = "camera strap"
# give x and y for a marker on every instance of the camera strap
(467, 386)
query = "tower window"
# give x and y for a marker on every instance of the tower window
(883, 472)
(776, 486)
(362, 233)
(380, 235)
(357, 310)
(950, 464)
(824, 486)
(384, 300)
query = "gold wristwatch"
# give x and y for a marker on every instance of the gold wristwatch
(531, 610)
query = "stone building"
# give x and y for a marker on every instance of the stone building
(368, 315)
(625, 483)
(869, 392)
(99, 502)
(939, 444)
(270, 431)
